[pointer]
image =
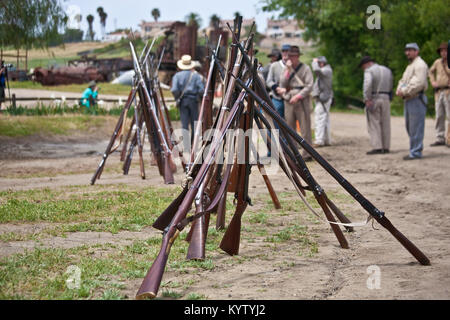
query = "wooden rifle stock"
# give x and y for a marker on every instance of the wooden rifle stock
(123, 153)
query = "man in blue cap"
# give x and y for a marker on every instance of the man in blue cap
(411, 88)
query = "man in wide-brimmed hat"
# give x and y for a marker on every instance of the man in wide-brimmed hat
(411, 88)
(377, 92)
(89, 97)
(274, 55)
(439, 75)
(296, 84)
(187, 88)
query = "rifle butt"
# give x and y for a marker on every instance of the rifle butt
(127, 163)
(221, 212)
(405, 242)
(269, 186)
(97, 172)
(150, 285)
(337, 231)
(168, 174)
(141, 163)
(196, 250)
(232, 237)
(166, 217)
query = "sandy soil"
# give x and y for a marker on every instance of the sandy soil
(415, 195)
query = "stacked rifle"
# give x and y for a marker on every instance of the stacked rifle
(151, 118)
(216, 171)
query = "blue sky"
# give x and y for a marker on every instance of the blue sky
(129, 13)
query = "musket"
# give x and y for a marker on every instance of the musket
(231, 239)
(118, 127)
(378, 215)
(139, 143)
(205, 114)
(150, 285)
(123, 153)
(168, 175)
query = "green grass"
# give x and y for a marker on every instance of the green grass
(108, 269)
(53, 125)
(92, 210)
(58, 120)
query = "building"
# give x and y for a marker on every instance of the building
(283, 31)
(115, 36)
(150, 29)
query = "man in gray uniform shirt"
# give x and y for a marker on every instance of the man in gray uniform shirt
(377, 90)
(187, 88)
(273, 79)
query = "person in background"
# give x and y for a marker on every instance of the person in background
(89, 97)
(2, 83)
(273, 79)
(274, 56)
(296, 82)
(377, 90)
(439, 75)
(411, 88)
(187, 89)
(323, 96)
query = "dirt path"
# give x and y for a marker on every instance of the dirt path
(415, 195)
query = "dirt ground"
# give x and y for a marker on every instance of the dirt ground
(415, 195)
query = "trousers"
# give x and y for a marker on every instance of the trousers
(442, 107)
(415, 112)
(188, 117)
(378, 118)
(322, 122)
(301, 112)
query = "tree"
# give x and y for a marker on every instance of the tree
(102, 14)
(214, 21)
(90, 20)
(193, 19)
(31, 23)
(342, 33)
(156, 14)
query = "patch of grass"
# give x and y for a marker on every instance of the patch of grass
(195, 296)
(54, 125)
(97, 210)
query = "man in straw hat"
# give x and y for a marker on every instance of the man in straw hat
(439, 75)
(411, 88)
(377, 90)
(187, 88)
(296, 84)
(323, 96)
(89, 97)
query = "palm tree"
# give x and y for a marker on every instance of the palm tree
(156, 14)
(90, 20)
(103, 17)
(214, 21)
(193, 19)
